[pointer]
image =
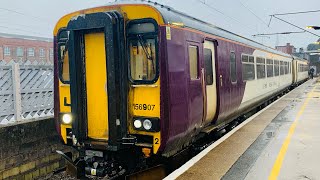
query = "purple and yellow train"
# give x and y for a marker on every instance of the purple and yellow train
(139, 81)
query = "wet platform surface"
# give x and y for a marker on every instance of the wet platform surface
(283, 142)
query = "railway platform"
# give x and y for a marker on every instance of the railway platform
(282, 141)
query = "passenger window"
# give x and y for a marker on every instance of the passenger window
(269, 68)
(282, 66)
(248, 72)
(286, 68)
(276, 67)
(289, 66)
(208, 66)
(193, 61)
(233, 67)
(261, 68)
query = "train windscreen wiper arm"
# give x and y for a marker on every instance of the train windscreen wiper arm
(144, 47)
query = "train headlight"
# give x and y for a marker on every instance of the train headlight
(66, 118)
(150, 124)
(147, 124)
(137, 123)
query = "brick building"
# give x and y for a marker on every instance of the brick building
(289, 49)
(24, 48)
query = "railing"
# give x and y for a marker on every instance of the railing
(26, 91)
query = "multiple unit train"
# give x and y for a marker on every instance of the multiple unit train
(139, 81)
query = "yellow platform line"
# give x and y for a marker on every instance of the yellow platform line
(278, 163)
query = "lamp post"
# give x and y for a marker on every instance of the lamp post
(313, 27)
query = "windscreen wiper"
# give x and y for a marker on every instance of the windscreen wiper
(144, 47)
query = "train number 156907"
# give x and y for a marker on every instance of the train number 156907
(144, 107)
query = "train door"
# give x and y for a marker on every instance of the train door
(210, 81)
(295, 71)
(196, 91)
(96, 83)
(96, 66)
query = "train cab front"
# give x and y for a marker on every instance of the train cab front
(107, 89)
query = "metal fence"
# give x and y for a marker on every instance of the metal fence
(26, 91)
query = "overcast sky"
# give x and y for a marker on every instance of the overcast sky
(244, 17)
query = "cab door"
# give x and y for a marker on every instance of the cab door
(98, 97)
(210, 81)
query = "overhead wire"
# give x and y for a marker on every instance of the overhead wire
(295, 26)
(22, 30)
(301, 12)
(217, 10)
(37, 18)
(253, 13)
(293, 13)
(289, 32)
(16, 24)
(260, 19)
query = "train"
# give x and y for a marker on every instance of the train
(138, 81)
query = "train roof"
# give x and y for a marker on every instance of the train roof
(170, 15)
(299, 58)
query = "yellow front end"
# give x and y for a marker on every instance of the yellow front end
(145, 102)
(143, 98)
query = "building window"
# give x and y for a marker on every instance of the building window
(261, 68)
(269, 68)
(208, 66)
(233, 67)
(7, 51)
(248, 72)
(276, 68)
(42, 52)
(20, 51)
(31, 52)
(193, 61)
(51, 54)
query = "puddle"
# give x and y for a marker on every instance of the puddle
(270, 134)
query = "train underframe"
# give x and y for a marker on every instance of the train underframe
(109, 164)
